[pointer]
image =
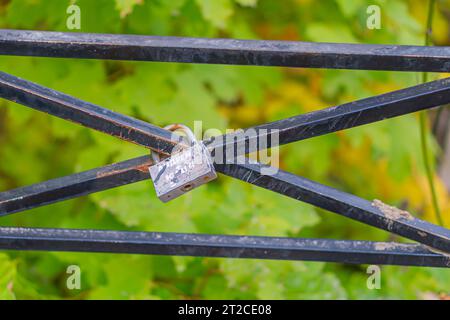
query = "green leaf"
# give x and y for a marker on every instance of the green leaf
(314, 159)
(217, 12)
(350, 8)
(322, 32)
(37, 12)
(136, 205)
(275, 215)
(300, 285)
(247, 3)
(126, 285)
(8, 270)
(125, 7)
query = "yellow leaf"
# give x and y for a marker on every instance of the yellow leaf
(125, 7)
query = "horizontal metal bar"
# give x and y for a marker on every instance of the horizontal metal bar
(66, 107)
(284, 183)
(225, 51)
(349, 115)
(178, 244)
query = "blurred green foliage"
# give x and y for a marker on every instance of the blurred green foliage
(375, 161)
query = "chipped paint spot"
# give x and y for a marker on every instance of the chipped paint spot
(391, 212)
(108, 173)
(382, 246)
(142, 168)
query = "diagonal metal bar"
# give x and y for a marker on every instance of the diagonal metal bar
(225, 51)
(372, 213)
(66, 107)
(349, 115)
(345, 116)
(282, 182)
(75, 185)
(179, 244)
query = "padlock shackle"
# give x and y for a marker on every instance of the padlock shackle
(176, 127)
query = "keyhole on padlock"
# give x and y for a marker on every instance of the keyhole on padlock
(187, 187)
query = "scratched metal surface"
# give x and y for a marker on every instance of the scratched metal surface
(342, 251)
(225, 51)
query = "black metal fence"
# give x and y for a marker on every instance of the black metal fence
(433, 248)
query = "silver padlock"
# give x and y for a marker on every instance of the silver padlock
(184, 170)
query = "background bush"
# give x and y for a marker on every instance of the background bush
(381, 161)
